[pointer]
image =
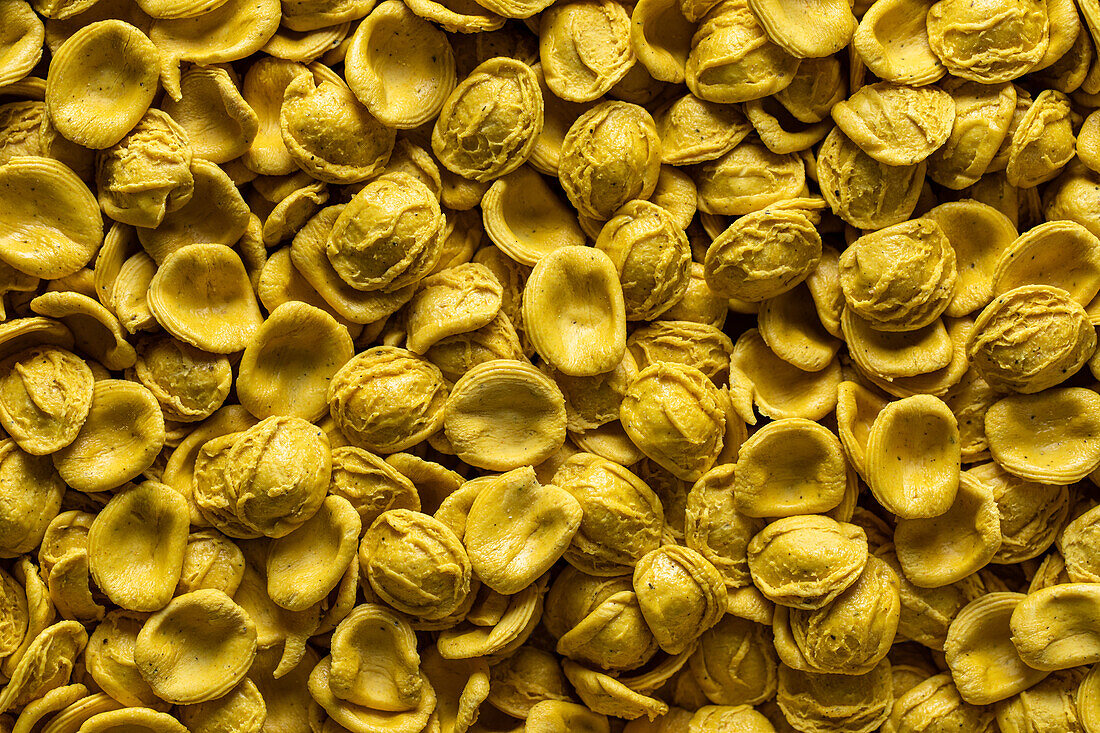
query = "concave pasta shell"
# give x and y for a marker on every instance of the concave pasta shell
(21, 47)
(95, 329)
(896, 124)
(913, 457)
(110, 661)
(860, 190)
(45, 663)
(1059, 253)
(695, 344)
(983, 113)
(1055, 627)
(224, 316)
(70, 588)
(103, 78)
(892, 41)
(358, 717)
(504, 414)
(32, 492)
(574, 312)
(526, 219)
(675, 416)
(121, 437)
(287, 365)
(230, 32)
(680, 595)
(790, 466)
(778, 388)
(400, 66)
(859, 703)
(136, 545)
(980, 653)
(119, 244)
(305, 565)
(189, 383)
(806, 561)
(824, 284)
(661, 38)
(452, 302)
(693, 130)
(263, 88)
(1052, 437)
(292, 212)
(330, 134)
(511, 562)
(308, 255)
(387, 399)
(211, 560)
(374, 660)
(50, 225)
(938, 382)
(196, 648)
(856, 410)
(219, 123)
(893, 354)
(484, 144)
(790, 326)
(216, 214)
(389, 236)
(938, 551)
(128, 293)
(582, 67)
(609, 441)
(732, 58)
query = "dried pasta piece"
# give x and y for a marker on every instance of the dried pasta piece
(103, 78)
(980, 652)
(400, 66)
(517, 528)
(201, 295)
(121, 437)
(912, 458)
(50, 225)
(937, 551)
(136, 546)
(504, 414)
(574, 311)
(197, 648)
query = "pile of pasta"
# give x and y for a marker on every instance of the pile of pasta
(673, 366)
